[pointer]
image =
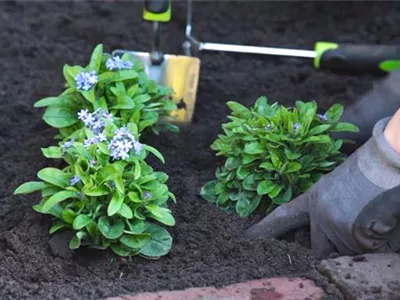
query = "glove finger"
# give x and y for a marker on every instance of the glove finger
(320, 243)
(369, 240)
(378, 236)
(284, 218)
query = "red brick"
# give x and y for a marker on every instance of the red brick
(265, 289)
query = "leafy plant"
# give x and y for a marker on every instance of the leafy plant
(107, 194)
(273, 154)
(116, 85)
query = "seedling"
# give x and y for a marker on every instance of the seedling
(273, 154)
(116, 85)
(107, 194)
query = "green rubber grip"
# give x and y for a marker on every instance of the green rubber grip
(157, 10)
(363, 58)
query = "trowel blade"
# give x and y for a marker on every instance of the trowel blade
(181, 73)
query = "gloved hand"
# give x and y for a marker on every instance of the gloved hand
(332, 205)
(377, 227)
(378, 103)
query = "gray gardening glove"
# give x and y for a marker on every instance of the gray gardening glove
(380, 102)
(377, 227)
(332, 205)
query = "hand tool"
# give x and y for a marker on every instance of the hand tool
(179, 72)
(326, 55)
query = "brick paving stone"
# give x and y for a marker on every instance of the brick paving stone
(280, 288)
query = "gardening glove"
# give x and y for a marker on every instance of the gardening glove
(332, 205)
(377, 227)
(380, 102)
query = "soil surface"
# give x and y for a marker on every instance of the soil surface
(37, 38)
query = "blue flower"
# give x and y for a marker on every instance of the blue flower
(323, 117)
(74, 180)
(147, 195)
(296, 126)
(268, 127)
(86, 80)
(68, 144)
(116, 63)
(122, 143)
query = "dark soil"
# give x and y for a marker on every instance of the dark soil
(37, 38)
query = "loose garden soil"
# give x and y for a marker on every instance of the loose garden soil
(37, 38)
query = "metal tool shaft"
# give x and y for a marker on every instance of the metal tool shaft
(205, 46)
(257, 50)
(157, 56)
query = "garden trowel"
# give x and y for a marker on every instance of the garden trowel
(181, 73)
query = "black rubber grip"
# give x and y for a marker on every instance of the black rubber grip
(156, 6)
(371, 58)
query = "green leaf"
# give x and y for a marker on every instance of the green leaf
(89, 95)
(267, 166)
(326, 164)
(219, 188)
(68, 215)
(52, 152)
(160, 244)
(111, 230)
(275, 191)
(161, 214)
(292, 155)
(81, 221)
(246, 205)
(136, 241)
(249, 159)
(284, 197)
(111, 172)
(136, 226)
(344, 127)
(254, 148)
(115, 204)
(121, 250)
(57, 198)
(30, 187)
(239, 109)
(75, 242)
(334, 113)
(155, 152)
(126, 211)
(56, 227)
(135, 197)
(223, 198)
(242, 172)
(123, 102)
(275, 159)
(95, 60)
(142, 98)
(124, 75)
(53, 101)
(232, 163)
(264, 187)
(293, 167)
(318, 139)
(96, 191)
(119, 184)
(138, 170)
(250, 183)
(60, 116)
(319, 129)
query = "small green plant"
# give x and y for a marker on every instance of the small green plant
(107, 194)
(116, 85)
(273, 154)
